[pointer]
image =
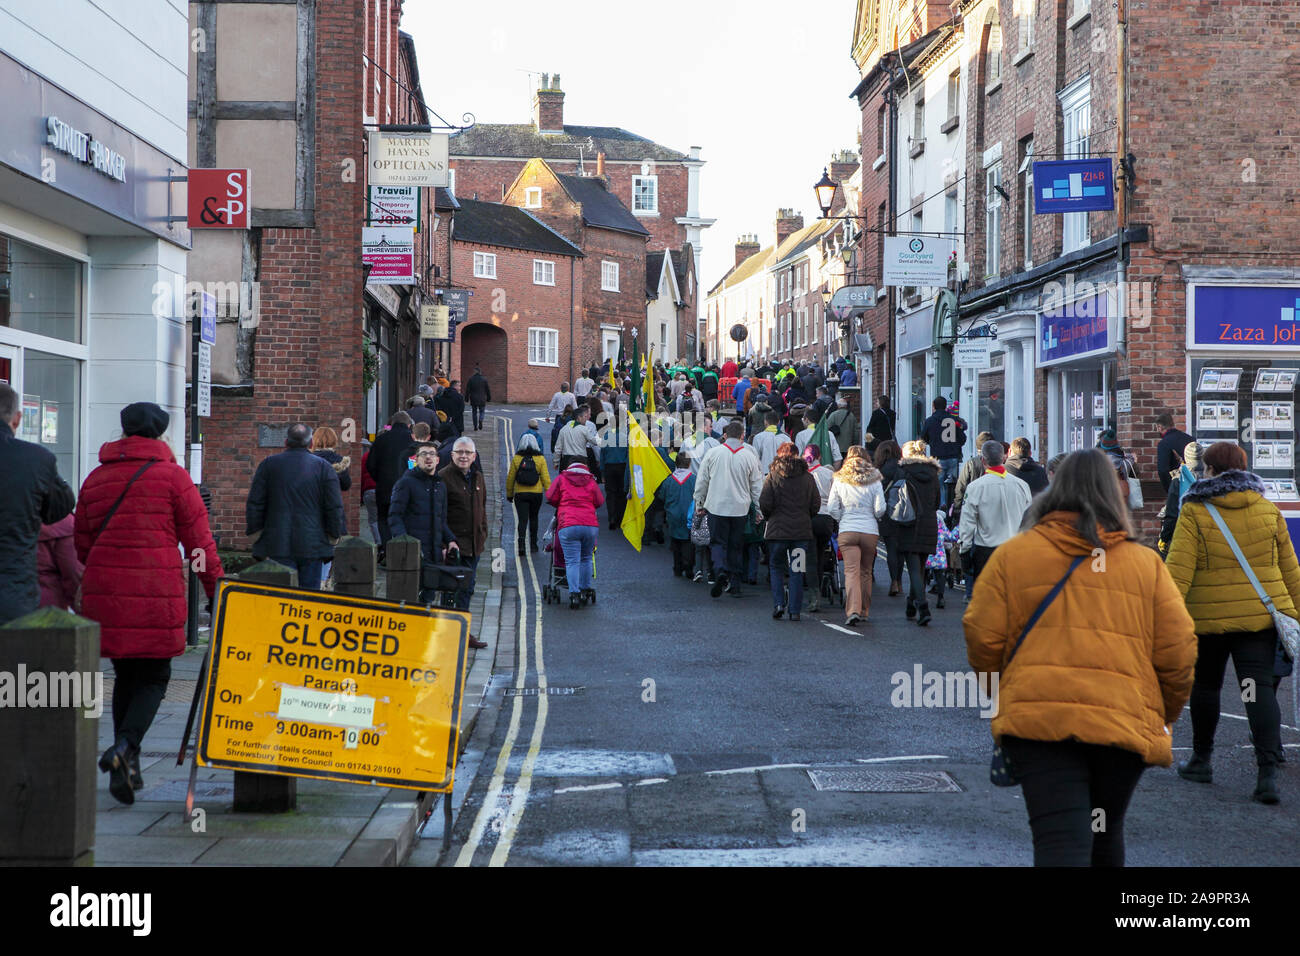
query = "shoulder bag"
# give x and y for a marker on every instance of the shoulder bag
(103, 525)
(1135, 499)
(1288, 628)
(1001, 773)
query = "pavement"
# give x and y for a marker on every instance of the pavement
(334, 824)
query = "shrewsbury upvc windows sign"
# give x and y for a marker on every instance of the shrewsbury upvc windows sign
(1076, 330)
(1227, 317)
(1073, 185)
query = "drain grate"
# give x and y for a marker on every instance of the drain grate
(174, 790)
(859, 780)
(550, 691)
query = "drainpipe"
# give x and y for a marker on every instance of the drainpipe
(1121, 192)
(891, 161)
(572, 344)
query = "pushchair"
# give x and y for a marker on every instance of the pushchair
(558, 577)
(832, 576)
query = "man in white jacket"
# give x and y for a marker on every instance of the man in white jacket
(991, 511)
(769, 440)
(728, 485)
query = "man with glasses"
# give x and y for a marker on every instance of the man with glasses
(419, 508)
(466, 515)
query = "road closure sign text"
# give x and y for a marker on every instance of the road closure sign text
(313, 684)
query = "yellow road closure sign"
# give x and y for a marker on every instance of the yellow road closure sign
(314, 684)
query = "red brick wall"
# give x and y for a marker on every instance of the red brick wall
(513, 303)
(864, 268)
(307, 359)
(488, 177)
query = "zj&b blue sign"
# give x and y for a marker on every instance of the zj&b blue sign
(1073, 185)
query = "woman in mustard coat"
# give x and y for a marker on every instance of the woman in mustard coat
(1087, 702)
(1231, 620)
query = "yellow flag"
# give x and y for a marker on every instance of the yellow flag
(612, 383)
(649, 384)
(646, 469)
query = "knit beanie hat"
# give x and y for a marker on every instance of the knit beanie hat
(1192, 455)
(1108, 441)
(144, 419)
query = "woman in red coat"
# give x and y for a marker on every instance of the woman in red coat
(576, 496)
(133, 511)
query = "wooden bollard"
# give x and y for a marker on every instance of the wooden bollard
(354, 567)
(49, 741)
(265, 792)
(403, 569)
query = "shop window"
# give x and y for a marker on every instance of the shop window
(991, 405)
(40, 291)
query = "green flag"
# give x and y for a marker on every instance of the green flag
(634, 400)
(821, 438)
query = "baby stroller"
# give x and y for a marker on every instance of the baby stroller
(832, 578)
(558, 578)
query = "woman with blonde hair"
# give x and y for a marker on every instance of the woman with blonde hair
(915, 476)
(1092, 649)
(857, 500)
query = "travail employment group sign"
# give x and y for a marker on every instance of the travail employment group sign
(312, 684)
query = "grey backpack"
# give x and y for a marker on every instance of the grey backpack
(898, 503)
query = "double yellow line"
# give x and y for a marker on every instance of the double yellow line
(486, 813)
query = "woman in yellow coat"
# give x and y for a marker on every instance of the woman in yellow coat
(526, 489)
(1231, 620)
(1087, 702)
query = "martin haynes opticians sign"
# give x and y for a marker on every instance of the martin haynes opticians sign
(84, 148)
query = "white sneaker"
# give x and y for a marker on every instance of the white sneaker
(699, 575)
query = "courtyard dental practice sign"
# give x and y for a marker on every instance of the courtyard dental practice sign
(916, 261)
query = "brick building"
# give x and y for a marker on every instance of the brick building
(661, 186)
(527, 289)
(292, 350)
(584, 211)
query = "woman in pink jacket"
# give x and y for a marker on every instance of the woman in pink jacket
(576, 496)
(57, 565)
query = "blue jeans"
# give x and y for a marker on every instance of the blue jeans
(578, 541)
(778, 552)
(949, 469)
(464, 594)
(309, 570)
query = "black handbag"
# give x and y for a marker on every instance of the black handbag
(442, 577)
(1001, 773)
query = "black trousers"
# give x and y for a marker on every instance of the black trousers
(1076, 795)
(138, 688)
(478, 416)
(893, 557)
(683, 555)
(1252, 654)
(728, 544)
(528, 505)
(823, 527)
(915, 562)
(615, 492)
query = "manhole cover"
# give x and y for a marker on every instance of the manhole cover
(858, 780)
(550, 691)
(174, 790)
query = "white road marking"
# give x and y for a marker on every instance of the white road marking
(771, 766)
(1240, 717)
(842, 630)
(489, 808)
(889, 759)
(525, 782)
(595, 786)
(653, 780)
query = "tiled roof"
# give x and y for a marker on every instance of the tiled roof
(600, 207)
(443, 198)
(803, 239)
(654, 268)
(747, 269)
(494, 224)
(522, 140)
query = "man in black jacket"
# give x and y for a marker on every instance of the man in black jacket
(452, 404)
(295, 509)
(419, 508)
(1169, 453)
(387, 463)
(478, 393)
(34, 494)
(945, 433)
(1022, 465)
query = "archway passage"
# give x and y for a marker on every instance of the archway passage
(484, 345)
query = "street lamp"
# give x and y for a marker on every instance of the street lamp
(825, 190)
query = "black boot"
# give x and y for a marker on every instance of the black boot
(923, 617)
(133, 762)
(911, 608)
(1266, 786)
(1198, 769)
(116, 762)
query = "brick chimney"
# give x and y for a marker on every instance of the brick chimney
(746, 246)
(842, 166)
(548, 105)
(788, 222)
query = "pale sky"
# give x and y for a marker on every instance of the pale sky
(763, 87)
